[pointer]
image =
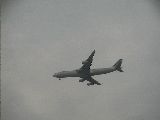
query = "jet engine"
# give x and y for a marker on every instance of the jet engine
(84, 62)
(82, 80)
(90, 84)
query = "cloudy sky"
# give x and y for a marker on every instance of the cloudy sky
(41, 37)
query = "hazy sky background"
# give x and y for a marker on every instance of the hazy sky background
(41, 37)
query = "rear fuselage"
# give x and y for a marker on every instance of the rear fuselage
(75, 73)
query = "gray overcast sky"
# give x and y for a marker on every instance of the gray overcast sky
(41, 37)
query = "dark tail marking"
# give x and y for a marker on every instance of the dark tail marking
(117, 65)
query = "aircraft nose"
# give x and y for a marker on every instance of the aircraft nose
(55, 75)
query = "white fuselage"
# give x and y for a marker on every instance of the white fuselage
(75, 73)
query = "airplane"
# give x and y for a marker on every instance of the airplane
(85, 73)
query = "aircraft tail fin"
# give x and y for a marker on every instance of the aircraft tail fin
(117, 65)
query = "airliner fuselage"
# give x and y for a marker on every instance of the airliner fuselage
(76, 73)
(85, 73)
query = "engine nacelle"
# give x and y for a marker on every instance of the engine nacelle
(84, 62)
(90, 84)
(82, 80)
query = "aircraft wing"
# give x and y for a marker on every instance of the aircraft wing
(87, 63)
(92, 81)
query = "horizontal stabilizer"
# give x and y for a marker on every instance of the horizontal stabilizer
(119, 69)
(118, 64)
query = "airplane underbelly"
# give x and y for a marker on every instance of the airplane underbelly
(71, 74)
(101, 71)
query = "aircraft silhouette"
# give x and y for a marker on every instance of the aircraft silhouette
(85, 73)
